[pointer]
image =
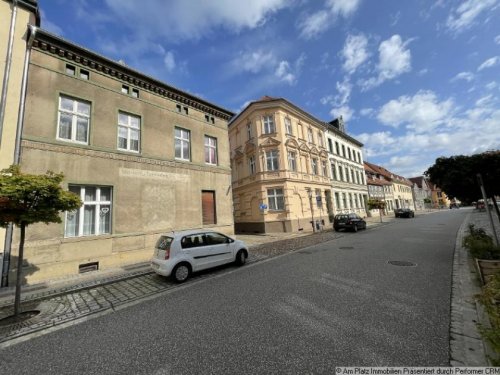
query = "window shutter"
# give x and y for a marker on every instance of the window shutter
(208, 207)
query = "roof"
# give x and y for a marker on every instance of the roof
(270, 99)
(58, 46)
(377, 181)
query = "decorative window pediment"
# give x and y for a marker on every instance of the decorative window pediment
(249, 147)
(292, 143)
(304, 147)
(270, 142)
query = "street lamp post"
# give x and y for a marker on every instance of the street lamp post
(310, 195)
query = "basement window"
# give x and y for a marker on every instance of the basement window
(88, 267)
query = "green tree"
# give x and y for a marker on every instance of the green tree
(457, 175)
(376, 204)
(27, 199)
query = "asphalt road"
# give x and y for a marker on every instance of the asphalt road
(336, 304)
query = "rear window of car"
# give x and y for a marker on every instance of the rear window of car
(341, 217)
(164, 243)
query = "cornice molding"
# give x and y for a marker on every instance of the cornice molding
(60, 48)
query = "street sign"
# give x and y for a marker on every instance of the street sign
(263, 206)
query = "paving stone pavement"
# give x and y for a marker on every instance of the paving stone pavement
(65, 303)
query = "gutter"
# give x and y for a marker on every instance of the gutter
(6, 75)
(17, 151)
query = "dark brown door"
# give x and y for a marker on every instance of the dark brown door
(208, 207)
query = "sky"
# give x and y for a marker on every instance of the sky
(414, 80)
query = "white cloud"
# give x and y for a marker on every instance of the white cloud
(169, 61)
(466, 76)
(489, 63)
(315, 24)
(254, 61)
(466, 13)
(422, 112)
(492, 85)
(422, 72)
(283, 72)
(322, 20)
(341, 99)
(354, 52)
(343, 111)
(394, 60)
(497, 39)
(192, 19)
(484, 101)
(367, 112)
(402, 161)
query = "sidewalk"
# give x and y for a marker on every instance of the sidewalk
(66, 300)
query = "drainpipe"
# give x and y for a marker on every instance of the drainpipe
(6, 75)
(17, 151)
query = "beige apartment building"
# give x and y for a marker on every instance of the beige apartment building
(14, 38)
(144, 157)
(280, 168)
(350, 191)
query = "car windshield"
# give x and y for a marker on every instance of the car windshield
(164, 243)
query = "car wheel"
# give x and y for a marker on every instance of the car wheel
(355, 228)
(336, 229)
(241, 258)
(181, 272)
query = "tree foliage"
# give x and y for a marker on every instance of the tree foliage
(375, 204)
(457, 175)
(27, 199)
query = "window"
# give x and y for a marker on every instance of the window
(129, 130)
(70, 69)
(94, 216)
(337, 148)
(272, 160)
(249, 131)
(135, 93)
(344, 201)
(125, 89)
(359, 157)
(319, 201)
(288, 126)
(186, 110)
(292, 161)
(310, 135)
(251, 164)
(314, 165)
(330, 146)
(352, 176)
(337, 200)
(269, 127)
(84, 74)
(347, 174)
(210, 150)
(276, 200)
(343, 151)
(208, 207)
(325, 172)
(320, 139)
(350, 201)
(74, 120)
(182, 144)
(179, 109)
(349, 152)
(341, 174)
(334, 174)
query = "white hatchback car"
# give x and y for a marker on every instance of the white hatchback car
(178, 254)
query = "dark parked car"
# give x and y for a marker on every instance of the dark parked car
(404, 212)
(348, 221)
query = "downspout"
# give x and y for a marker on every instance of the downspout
(17, 151)
(6, 75)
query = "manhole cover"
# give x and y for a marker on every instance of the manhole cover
(401, 263)
(21, 318)
(346, 247)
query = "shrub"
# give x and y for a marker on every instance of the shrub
(481, 244)
(490, 298)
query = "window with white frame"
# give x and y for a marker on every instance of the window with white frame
(292, 161)
(314, 165)
(341, 174)
(319, 200)
(210, 150)
(129, 131)
(333, 169)
(182, 144)
(337, 201)
(344, 201)
(251, 164)
(94, 216)
(325, 172)
(288, 126)
(268, 122)
(74, 120)
(275, 199)
(272, 161)
(310, 135)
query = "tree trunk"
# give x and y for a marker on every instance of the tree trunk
(17, 300)
(380, 213)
